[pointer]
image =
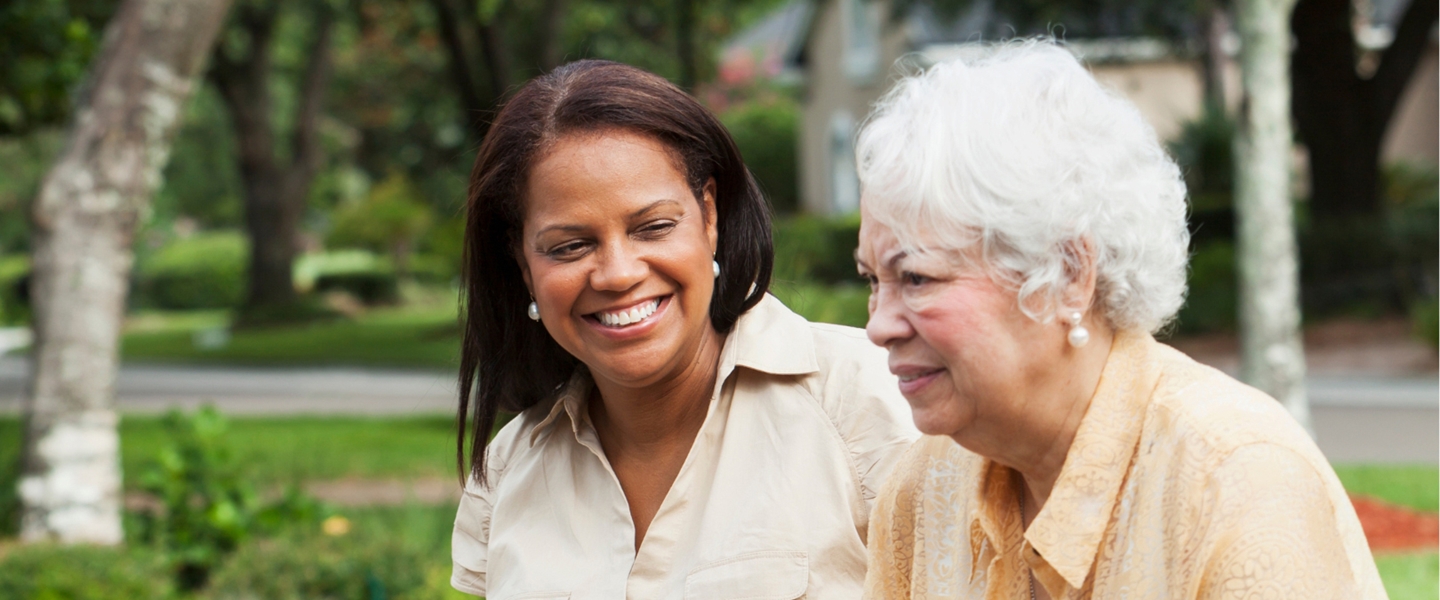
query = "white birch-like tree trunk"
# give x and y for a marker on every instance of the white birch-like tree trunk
(1272, 357)
(83, 221)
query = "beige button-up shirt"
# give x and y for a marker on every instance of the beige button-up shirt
(773, 500)
(1181, 483)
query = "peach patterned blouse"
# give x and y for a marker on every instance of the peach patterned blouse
(1181, 483)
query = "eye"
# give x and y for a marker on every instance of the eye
(871, 280)
(655, 229)
(568, 250)
(914, 279)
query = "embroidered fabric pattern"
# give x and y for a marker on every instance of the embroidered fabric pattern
(1181, 483)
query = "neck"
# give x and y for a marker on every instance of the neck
(663, 413)
(1035, 439)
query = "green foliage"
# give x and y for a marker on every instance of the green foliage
(203, 271)
(767, 130)
(208, 506)
(312, 566)
(202, 180)
(12, 439)
(1410, 576)
(46, 47)
(23, 161)
(1204, 151)
(845, 304)
(371, 287)
(816, 249)
(14, 308)
(390, 219)
(53, 572)
(1212, 295)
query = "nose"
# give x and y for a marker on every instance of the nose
(888, 324)
(619, 268)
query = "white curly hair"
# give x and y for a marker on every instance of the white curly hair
(1021, 151)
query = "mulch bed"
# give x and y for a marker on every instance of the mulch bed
(1395, 528)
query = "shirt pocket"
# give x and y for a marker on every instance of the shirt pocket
(764, 575)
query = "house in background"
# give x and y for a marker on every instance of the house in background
(845, 54)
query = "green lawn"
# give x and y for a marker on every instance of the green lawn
(1415, 486)
(401, 338)
(1410, 576)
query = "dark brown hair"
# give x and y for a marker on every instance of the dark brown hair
(508, 362)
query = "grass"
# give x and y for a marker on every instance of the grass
(1415, 486)
(1410, 576)
(293, 449)
(425, 338)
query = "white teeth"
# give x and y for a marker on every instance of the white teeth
(627, 317)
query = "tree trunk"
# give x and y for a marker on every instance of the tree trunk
(1272, 357)
(685, 43)
(275, 191)
(1341, 116)
(84, 219)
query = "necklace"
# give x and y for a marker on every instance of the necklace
(1029, 574)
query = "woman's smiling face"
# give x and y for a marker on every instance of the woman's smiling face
(617, 254)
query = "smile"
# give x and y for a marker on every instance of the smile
(628, 316)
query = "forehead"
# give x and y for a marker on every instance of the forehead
(600, 173)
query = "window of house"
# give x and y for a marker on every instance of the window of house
(861, 20)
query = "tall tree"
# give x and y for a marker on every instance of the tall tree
(1272, 358)
(1342, 113)
(484, 63)
(84, 220)
(276, 180)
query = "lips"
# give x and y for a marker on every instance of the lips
(913, 379)
(627, 316)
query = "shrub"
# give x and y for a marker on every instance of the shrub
(766, 132)
(371, 287)
(390, 219)
(14, 290)
(318, 567)
(207, 270)
(208, 508)
(52, 572)
(1211, 300)
(816, 249)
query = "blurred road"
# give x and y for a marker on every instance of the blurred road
(1357, 418)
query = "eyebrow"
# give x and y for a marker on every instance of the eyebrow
(636, 214)
(889, 262)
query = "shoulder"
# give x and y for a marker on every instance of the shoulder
(1218, 412)
(512, 442)
(854, 387)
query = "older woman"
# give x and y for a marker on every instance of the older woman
(681, 433)
(1024, 234)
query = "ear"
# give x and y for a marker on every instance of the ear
(1077, 292)
(712, 218)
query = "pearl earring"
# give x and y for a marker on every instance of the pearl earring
(715, 266)
(1078, 336)
(533, 311)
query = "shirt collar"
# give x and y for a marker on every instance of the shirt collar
(769, 338)
(1069, 529)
